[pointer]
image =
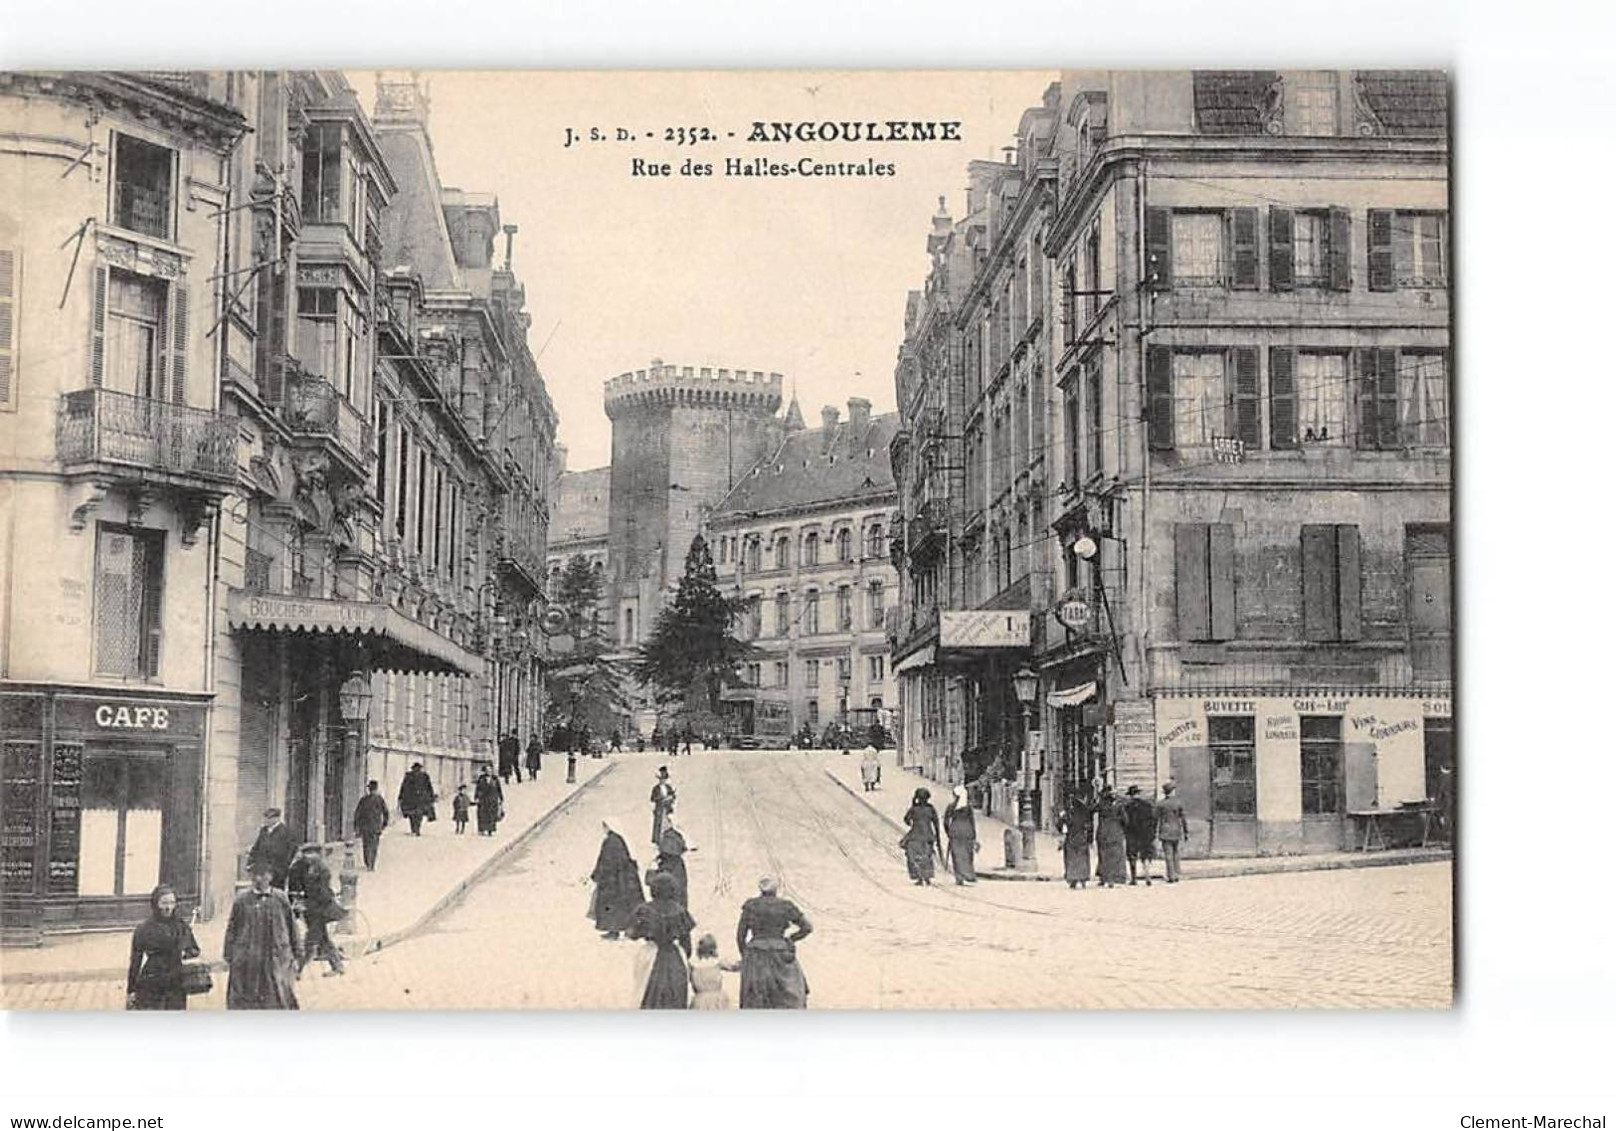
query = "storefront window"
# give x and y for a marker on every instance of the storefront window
(1233, 739)
(120, 842)
(1322, 793)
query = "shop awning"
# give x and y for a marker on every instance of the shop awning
(1070, 696)
(920, 659)
(396, 643)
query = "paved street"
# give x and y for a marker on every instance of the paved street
(1378, 938)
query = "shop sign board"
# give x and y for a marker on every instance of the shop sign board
(985, 628)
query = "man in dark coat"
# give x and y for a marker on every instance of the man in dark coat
(510, 757)
(320, 908)
(275, 846)
(260, 944)
(369, 819)
(1172, 828)
(1139, 828)
(415, 797)
(535, 753)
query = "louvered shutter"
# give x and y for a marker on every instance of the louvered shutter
(98, 326)
(1318, 583)
(1159, 379)
(1368, 385)
(1247, 398)
(1281, 398)
(179, 364)
(1388, 434)
(8, 328)
(1281, 249)
(1340, 250)
(1349, 580)
(1158, 249)
(1220, 570)
(1190, 580)
(1244, 224)
(1382, 259)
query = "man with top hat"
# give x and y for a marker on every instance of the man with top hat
(663, 796)
(275, 846)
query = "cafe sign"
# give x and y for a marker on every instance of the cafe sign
(123, 716)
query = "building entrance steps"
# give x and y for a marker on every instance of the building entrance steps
(416, 879)
(897, 789)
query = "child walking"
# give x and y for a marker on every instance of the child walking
(462, 810)
(707, 976)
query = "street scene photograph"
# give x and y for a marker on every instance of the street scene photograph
(726, 540)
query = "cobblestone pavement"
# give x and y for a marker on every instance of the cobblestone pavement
(1376, 938)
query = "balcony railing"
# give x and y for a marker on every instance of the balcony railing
(106, 427)
(313, 407)
(138, 208)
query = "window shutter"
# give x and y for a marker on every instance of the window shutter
(1245, 248)
(1247, 398)
(1340, 250)
(1349, 577)
(1281, 249)
(1388, 434)
(1220, 550)
(1158, 249)
(179, 366)
(1159, 379)
(98, 325)
(1368, 385)
(1382, 264)
(1281, 398)
(1190, 580)
(1318, 583)
(8, 328)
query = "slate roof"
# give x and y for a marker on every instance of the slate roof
(1233, 102)
(414, 233)
(1407, 102)
(582, 506)
(802, 473)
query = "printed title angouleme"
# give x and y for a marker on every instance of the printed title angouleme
(892, 130)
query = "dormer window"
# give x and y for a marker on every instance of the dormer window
(142, 187)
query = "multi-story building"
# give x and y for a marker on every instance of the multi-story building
(802, 539)
(578, 528)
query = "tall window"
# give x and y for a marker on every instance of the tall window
(628, 626)
(128, 601)
(877, 668)
(810, 672)
(1322, 792)
(1310, 230)
(810, 549)
(754, 675)
(875, 541)
(844, 669)
(810, 612)
(782, 614)
(1091, 275)
(1419, 240)
(782, 552)
(322, 173)
(1092, 404)
(1203, 565)
(316, 346)
(142, 187)
(782, 673)
(844, 609)
(1198, 248)
(1233, 742)
(1321, 398)
(135, 334)
(877, 605)
(1310, 104)
(1422, 397)
(1199, 412)
(754, 554)
(1332, 583)
(844, 545)
(754, 616)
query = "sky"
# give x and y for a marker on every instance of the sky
(802, 277)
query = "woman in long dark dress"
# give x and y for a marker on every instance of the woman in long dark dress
(666, 925)
(490, 800)
(922, 844)
(960, 825)
(159, 948)
(1111, 839)
(617, 884)
(670, 861)
(770, 975)
(1076, 826)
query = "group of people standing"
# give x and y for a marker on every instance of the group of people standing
(669, 972)
(927, 834)
(511, 757)
(1124, 831)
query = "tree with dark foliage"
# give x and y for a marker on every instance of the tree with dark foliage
(693, 650)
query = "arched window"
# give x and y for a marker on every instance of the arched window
(754, 554)
(782, 614)
(875, 541)
(810, 549)
(844, 545)
(782, 552)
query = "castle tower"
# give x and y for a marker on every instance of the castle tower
(681, 437)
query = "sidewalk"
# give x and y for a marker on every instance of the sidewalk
(416, 879)
(898, 785)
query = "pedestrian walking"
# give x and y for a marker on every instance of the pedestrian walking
(1171, 828)
(157, 954)
(664, 926)
(923, 841)
(510, 751)
(274, 846)
(1076, 826)
(663, 796)
(707, 976)
(260, 944)
(535, 755)
(617, 883)
(490, 799)
(320, 910)
(670, 861)
(416, 798)
(369, 819)
(1139, 827)
(689, 736)
(771, 977)
(870, 769)
(617, 741)
(960, 825)
(572, 766)
(1111, 838)
(462, 809)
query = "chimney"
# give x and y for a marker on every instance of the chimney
(830, 414)
(858, 415)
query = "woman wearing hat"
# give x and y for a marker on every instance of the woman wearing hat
(1111, 838)
(156, 953)
(922, 843)
(770, 975)
(665, 926)
(960, 825)
(1076, 826)
(617, 883)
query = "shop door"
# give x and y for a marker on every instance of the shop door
(1192, 771)
(121, 803)
(296, 808)
(1439, 776)
(336, 774)
(1323, 784)
(1430, 602)
(1233, 743)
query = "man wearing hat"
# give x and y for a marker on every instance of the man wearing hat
(1172, 828)
(663, 796)
(260, 945)
(274, 847)
(320, 908)
(1139, 827)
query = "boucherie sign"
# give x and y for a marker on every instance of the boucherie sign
(122, 716)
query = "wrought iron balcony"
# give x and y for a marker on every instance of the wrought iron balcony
(100, 426)
(312, 406)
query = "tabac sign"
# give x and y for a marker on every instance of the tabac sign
(985, 628)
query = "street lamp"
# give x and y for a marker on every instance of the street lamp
(353, 702)
(1026, 685)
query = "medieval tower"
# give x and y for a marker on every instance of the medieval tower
(680, 439)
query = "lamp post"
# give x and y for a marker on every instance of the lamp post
(353, 701)
(1026, 685)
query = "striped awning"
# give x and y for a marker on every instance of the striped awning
(920, 659)
(1070, 696)
(396, 642)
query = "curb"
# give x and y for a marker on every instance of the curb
(392, 938)
(1243, 866)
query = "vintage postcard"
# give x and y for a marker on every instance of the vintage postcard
(771, 540)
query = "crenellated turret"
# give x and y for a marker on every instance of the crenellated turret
(753, 391)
